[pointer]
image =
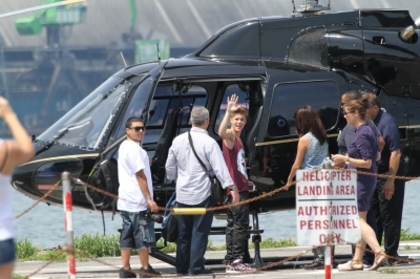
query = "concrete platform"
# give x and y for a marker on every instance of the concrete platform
(108, 267)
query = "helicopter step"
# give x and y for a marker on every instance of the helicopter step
(256, 239)
(254, 231)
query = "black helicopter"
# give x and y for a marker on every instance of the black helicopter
(276, 65)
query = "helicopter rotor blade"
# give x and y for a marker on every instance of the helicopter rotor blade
(46, 6)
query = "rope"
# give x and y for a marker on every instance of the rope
(263, 195)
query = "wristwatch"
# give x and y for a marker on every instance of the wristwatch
(233, 188)
(347, 160)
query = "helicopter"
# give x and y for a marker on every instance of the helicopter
(275, 65)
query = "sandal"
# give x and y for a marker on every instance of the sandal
(380, 260)
(351, 266)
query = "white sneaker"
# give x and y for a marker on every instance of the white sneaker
(341, 266)
(366, 266)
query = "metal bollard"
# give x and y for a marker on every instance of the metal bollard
(68, 223)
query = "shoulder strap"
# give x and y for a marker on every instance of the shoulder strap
(195, 153)
(5, 156)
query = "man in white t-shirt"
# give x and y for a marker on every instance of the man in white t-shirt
(135, 196)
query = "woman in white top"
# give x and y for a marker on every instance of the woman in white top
(12, 153)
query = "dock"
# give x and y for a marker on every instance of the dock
(109, 267)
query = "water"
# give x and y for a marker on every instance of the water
(44, 225)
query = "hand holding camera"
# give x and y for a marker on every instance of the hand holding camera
(149, 216)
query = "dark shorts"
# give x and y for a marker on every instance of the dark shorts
(137, 233)
(7, 252)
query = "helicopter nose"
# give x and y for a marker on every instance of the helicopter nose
(39, 178)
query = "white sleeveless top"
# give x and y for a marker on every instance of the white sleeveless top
(7, 220)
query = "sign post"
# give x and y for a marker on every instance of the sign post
(326, 209)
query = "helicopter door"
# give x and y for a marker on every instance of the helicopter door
(277, 143)
(138, 103)
(410, 137)
(154, 76)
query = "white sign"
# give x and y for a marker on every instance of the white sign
(326, 207)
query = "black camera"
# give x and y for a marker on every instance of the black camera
(150, 216)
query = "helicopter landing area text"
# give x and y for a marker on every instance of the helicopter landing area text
(326, 207)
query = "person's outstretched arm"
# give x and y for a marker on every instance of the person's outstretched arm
(227, 134)
(21, 149)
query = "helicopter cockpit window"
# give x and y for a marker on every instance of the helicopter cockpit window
(84, 125)
(231, 89)
(289, 98)
(135, 106)
(165, 101)
(241, 40)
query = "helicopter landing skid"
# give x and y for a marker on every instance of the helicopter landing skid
(256, 239)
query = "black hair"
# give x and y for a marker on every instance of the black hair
(308, 120)
(131, 120)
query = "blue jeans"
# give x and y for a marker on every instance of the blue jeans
(7, 252)
(193, 235)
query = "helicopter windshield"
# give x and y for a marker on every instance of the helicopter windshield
(85, 124)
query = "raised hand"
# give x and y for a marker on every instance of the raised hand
(5, 107)
(232, 103)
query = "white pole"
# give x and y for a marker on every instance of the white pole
(327, 261)
(68, 223)
(328, 164)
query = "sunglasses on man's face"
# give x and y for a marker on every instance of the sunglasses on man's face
(137, 129)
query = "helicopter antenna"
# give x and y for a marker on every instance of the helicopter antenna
(122, 56)
(310, 7)
(158, 52)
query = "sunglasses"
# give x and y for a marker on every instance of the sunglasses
(347, 112)
(137, 129)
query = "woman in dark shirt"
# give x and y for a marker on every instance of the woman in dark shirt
(361, 156)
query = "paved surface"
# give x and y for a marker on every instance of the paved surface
(108, 267)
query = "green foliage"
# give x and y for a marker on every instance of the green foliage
(406, 236)
(170, 248)
(25, 249)
(388, 271)
(48, 255)
(97, 246)
(272, 243)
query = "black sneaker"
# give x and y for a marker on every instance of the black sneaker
(124, 273)
(316, 264)
(204, 271)
(149, 272)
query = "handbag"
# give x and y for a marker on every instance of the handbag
(170, 222)
(218, 194)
